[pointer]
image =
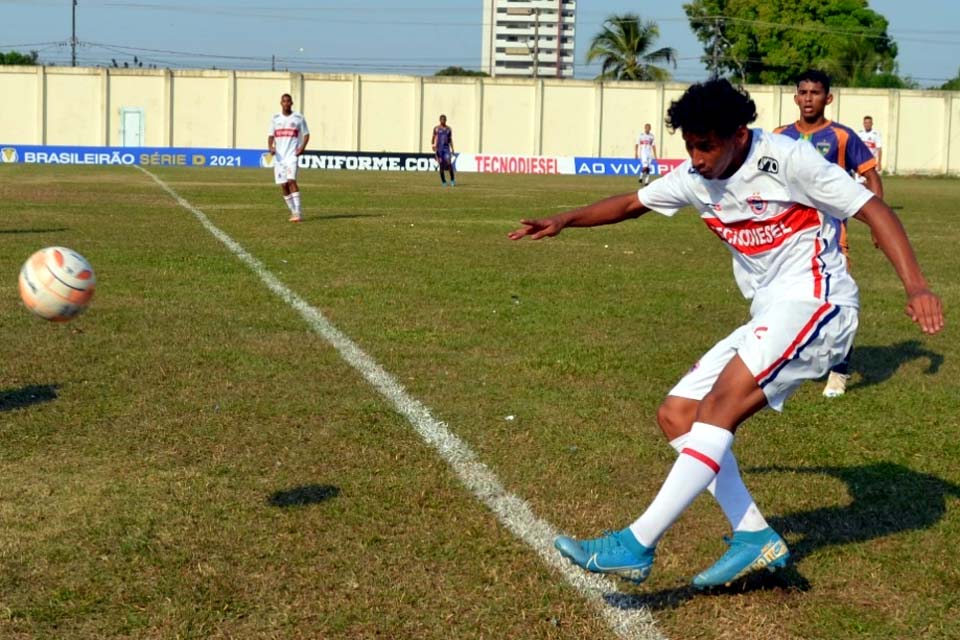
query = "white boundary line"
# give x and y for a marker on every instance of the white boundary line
(625, 615)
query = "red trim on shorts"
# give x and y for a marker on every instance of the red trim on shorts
(811, 323)
(707, 460)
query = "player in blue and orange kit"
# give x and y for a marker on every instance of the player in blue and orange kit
(842, 146)
(442, 144)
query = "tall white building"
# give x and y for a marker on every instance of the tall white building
(529, 38)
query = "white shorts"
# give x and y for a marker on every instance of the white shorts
(646, 163)
(285, 171)
(783, 346)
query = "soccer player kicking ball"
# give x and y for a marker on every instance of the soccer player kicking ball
(286, 140)
(777, 206)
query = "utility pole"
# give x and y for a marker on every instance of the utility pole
(536, 42)
(716, 49)
(73, 36)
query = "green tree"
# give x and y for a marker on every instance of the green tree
(459, 71)
(624, 45)
(952, 85)
(772, 41)
(15, 57)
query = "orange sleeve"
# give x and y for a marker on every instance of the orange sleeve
(865, 166)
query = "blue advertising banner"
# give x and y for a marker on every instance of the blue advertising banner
(190, 157)
(621, 166)
(338, 160)
(146, 156)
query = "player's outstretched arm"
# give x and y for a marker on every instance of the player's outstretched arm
(609, 211)
(923, 306)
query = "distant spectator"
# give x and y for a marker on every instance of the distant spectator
(871, 138)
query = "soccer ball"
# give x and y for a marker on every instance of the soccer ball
(57, 283)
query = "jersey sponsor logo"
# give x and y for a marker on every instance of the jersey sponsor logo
(759, 332)
(757, 204)
(768, 165)
(285, 133)
(752, 237)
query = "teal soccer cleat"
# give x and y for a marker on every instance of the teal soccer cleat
(616, 552)
(749, 551)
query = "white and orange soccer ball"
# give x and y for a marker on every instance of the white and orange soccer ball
(57, 283)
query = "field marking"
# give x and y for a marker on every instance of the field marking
(624, 614)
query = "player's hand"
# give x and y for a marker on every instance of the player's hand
(925, 309)
(536, 229)
(272, 151)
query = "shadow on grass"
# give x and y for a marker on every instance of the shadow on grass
(878, 364)
(26, 396)
(338, 216)
(887, 499)
(785, 582)
(12, 231)
(302, 496)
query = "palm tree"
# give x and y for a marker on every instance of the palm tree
(624, 45)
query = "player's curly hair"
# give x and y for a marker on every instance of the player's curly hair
(714, 106)
(816, 76)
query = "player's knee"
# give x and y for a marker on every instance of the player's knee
(675, 417)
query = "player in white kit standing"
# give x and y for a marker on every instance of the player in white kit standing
(871, 137)
(777, 206)
(286, 140)
(645, 150)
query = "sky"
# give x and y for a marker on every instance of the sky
(417, 37)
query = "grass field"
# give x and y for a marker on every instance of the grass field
(190, 459)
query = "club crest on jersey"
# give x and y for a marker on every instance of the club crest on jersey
(768, 165)
(757, 204)
(823, 147)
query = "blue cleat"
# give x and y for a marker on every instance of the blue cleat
(616, 552)
(453, 183)
(749, 551)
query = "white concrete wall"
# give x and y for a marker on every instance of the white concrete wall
(346, 112)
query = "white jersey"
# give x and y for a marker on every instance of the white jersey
(779, 215)
(871, 139)
(288, 132)
(645, 143)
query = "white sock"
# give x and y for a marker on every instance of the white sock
(295, 198)
(730, 491)
(694, 470)
(289, 200)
